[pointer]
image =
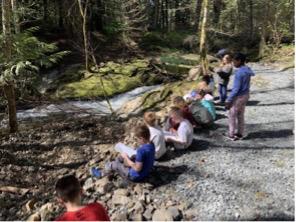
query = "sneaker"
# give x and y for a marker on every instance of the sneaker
(239, 136)
(95, 172)
(232, 138)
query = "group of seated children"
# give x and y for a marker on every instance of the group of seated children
(194, 110)
(132, 164)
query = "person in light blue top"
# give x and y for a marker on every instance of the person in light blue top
(207, 103)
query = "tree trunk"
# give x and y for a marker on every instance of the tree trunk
(217, 7)
(251, 19)
(83, 12)
(263, 31)
(162, 15)
(166, 13)
(16, 18)
(10, 96)
(197, 13)
(45, 10)
(156, 14)
(9, 86)
(203, 38)
(59, 6)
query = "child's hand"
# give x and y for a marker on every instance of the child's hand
(124, 155)
(172, 130)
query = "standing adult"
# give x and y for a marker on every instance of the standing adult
(237, 100)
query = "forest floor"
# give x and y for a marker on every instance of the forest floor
(216, 179)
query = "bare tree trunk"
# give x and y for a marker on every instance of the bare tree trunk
(197, 13)
(10, 96)
(166, 14)
(251, 19)
(162, 15)
(156, 14)
(203, 38)
(217, 7)
(16, 18)
(45, 10)
(262, 44)
(60, 7)
(9, 86)
(83, 12)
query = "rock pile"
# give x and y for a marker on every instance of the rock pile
(123, 199)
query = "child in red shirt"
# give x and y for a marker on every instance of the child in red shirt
(69, 192)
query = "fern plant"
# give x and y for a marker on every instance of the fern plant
(28, 55)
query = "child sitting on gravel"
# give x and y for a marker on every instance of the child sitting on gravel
(183, 137)
(136, 170)
(156, 134)
(193, 95)
(69, 192)
(182, 105)
(208, 104)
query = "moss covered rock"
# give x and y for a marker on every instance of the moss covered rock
(117, 78)
(92, 88)
(160, 99)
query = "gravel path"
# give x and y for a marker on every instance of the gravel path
(216, 179)
(251, 179)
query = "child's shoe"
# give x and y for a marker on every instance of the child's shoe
(239, 136)
(95, 172)
(232, 138)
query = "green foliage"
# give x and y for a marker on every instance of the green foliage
(28, 54)
(113, 28)
(26, 47)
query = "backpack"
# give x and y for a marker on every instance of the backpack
(200, 113)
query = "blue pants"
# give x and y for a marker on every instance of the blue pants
(223, 92)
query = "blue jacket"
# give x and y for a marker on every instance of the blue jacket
(241, 85)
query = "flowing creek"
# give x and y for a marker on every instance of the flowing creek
(82, 108)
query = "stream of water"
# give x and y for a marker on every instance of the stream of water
(85, 107)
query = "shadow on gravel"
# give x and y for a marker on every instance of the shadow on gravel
(289, 87)
(270, 134)
(220, 116)
(253, 103)
(256, 103)
(253, 146)
(197, 145)
(220, 108)
(277, 104)
(276, 217)
(163, 175)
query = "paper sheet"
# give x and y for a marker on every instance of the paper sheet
(122, 148)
